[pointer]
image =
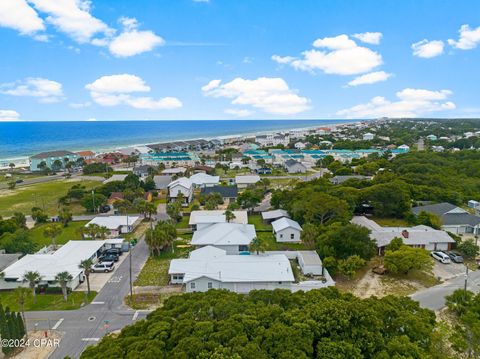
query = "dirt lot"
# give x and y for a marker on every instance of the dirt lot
(40, 347)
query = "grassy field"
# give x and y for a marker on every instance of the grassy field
(183, 223)
(69, 233)
(43, 195)
(155, 270)
(17, 176)
(46, 301)
(257, 221)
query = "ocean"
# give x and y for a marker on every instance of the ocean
(23, 139)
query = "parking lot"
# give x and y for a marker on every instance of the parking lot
(448, 271)
(98, 280)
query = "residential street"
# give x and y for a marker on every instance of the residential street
(106, 313)
(434, 297)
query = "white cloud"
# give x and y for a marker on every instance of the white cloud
(73, 18)
(80, 104)
(18, 15)
(47, 91)
(116, 90)
(133, 42)
(370, 78)
(372, 38)
(239, 112)
(428, 49)
(469, 38)
(410, 103)
(340, 55)
(271, 95)
(9, 115)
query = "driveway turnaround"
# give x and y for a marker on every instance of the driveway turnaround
(434, 297)
(105, 314)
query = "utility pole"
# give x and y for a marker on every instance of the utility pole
(466, 280)
(93, 200)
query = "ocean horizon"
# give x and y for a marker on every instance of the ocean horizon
(23, 139)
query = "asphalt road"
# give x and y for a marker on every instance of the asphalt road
(105, 314)
(434, 297)
(45, 179)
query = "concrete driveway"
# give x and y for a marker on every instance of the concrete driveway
(448, 271)
(98, 280)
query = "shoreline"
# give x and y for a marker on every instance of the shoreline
(99, 150)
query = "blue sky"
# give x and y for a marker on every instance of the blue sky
(222, 59)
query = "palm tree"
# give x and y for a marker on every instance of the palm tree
(21, 295)
(92, 230)
(257, 245)
(86, 265)
(63, 278)
(56, 165)
(150, 209)
(52, 231)
(12, 166)
(102, 232)
(32, 277)
(229, 215)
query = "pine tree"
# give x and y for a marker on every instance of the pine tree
(21, 326)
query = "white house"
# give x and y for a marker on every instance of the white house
(368, 136)
(204, 180)
(116, 224)
(202, 219)
(246, 180)
(48, 265)
(300, 146)
(183, 186)
(234, 238)
(418, 236)
(212, 268)
(286, 230)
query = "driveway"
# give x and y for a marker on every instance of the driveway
(434, 297)
(448, 271)
(98, 280)
(162, 212)
(107, 313)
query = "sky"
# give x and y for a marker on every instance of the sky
(67, 60)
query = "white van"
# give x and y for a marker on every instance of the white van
(441, 257)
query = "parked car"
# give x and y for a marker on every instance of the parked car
(441, 257)
(455, 257)
(113, 251)
(103, 267)
(104, 209)
(108, 258)
(19, 181)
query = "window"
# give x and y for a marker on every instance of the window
(281, 235)
(192, 285)
(210, 285)
(292, 236)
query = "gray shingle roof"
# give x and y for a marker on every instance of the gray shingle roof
(225, 191)
(460, 218)
(438, 208)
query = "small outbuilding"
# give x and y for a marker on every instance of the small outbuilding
(287, 230)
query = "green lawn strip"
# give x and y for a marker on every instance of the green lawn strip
(183, 223)
(391, 222)
(46, 301)
(155, 270)
(257, 221)
(43, 195)
(69, 233)
(273, 245)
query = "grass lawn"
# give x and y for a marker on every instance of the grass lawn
(183, 223)
(391, 222)
(41, 195)
(273, 245)
(155, 270)
(257, 221)
(69, 233)
(46, 301)
(148, 300)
